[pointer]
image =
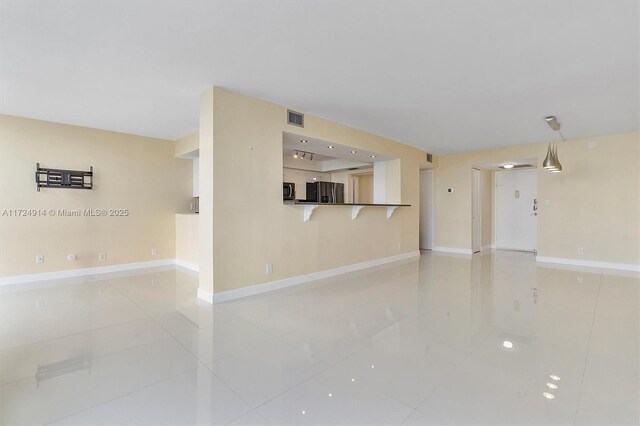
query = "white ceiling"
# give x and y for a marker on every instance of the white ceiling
(321, 151)
(444, 76)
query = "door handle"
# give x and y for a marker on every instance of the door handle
(534, 214)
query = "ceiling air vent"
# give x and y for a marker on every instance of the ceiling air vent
(295, 118)
(429, 158)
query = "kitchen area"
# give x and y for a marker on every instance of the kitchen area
(317, 172)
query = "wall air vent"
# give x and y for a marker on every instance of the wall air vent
(295, 118)
(429, 158)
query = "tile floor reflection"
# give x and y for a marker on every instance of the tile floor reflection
(492, 339)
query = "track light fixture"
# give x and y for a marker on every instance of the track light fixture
(303, 154)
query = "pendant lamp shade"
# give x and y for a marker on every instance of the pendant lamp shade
(558, 166)
(551, 162)
(548, 161)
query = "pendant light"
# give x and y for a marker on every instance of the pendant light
(551, 161)
(558, 166)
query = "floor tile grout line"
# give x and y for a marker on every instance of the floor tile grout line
(169, 337)
(496, 327)
(107, 354)
(75, 334)
(586, 358)
(475, 347)
(409, 415)
(123, 395)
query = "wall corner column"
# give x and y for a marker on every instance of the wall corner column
(206, 284)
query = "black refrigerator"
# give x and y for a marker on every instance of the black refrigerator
(325, 192)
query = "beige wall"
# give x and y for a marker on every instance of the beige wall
(594, 202)
(187, 145)
(205, 224)
(486, 205)
(365, 188)
(131, 172)
(187, 238)
(250, 225)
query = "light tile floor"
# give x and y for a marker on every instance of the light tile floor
(440, 340)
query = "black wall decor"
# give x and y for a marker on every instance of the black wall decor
(59, 178)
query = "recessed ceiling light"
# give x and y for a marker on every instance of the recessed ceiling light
(507, 344)
(554, 377)
(548, 395)
(315, 178)
(303, 141)
(330, 395)
(295, 155)
(552, 386)
(373, 156)
(508, 166)
(353, 151)
(353, 380)
(304, 412)
(330, 147)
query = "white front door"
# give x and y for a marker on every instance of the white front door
(515, 210)
(475, 212)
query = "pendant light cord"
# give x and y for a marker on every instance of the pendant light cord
(562, 136)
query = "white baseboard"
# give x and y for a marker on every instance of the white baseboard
(300, 279)
(187, 265)
(452, 250)
(591, 263)
(205, 295)
(72, 273)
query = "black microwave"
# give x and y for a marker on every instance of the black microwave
(288, 191)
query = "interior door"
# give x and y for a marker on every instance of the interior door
(515, 210)
(426, 210)
(475, 211)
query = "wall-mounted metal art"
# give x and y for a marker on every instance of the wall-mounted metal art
(59, 178)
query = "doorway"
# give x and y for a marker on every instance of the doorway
(426, 210)
(362, 188)
(516, 210)
(476, 221)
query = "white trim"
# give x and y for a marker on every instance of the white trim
(187, 265)
(70, 273)
(205, 295)
(526, 250)
(487, 247)
(452, 250)
(300, 279)
(591, 263)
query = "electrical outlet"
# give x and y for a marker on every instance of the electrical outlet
(40, 304)
(72, 257)
(398, 245)
(154, 252)
(580, 280)
(580, 250)
(547, 203)
(40, 258)
(269, 268)
(102, 257)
